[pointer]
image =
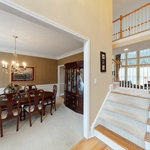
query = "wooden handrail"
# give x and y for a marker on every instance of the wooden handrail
(120, 34)
(132, 12)
(136, 10)
(120, 63)
(130, 95)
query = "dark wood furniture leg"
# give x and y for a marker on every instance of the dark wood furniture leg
(1, 129)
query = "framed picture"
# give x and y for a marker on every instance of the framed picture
(102, 61)
(24, 74)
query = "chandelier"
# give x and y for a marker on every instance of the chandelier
(14, 66)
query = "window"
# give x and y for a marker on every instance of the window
(144, 75)
(132, 54)
(132, 71)
(145, 60)
(132, 62)
(145, 52)
(132, 75)
(122, 74)
(123, 56)
(123, 62)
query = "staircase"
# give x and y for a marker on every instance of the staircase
(123, 122)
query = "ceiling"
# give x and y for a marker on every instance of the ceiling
(35, 39)
(122, 7)
(133, 47)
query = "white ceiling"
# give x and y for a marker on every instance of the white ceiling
(34, 39)
(133, 47)
(122, 7)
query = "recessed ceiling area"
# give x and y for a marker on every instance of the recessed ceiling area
(34, 39)
(122, 7)
(133, 47)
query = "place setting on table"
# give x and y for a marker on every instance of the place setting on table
(17, 101)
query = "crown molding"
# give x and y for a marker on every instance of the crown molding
(40, 19)
(4, 50)
(80, 50)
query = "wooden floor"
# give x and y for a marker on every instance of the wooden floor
(126, 144)
(91, 144)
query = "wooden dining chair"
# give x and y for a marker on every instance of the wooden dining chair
(53, 98)
(51, 101)
(12, 88)
(35, 98)
(12, 109)
(28, 88)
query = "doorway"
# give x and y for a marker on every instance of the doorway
(61, 80)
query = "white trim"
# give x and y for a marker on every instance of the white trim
(147, 145)
(108, 141)
(58, 75)
(86, 121)
(40, 19)
(27, 53)
(46, 87)
(95, 123)
(132, 37)
(70, 53)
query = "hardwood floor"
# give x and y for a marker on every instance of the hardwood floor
(91, 144)
(117, 138)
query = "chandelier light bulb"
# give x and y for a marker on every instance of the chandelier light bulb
(3, 64)
(17, 64)
(24, 64)
(14, 66)
(13, 62)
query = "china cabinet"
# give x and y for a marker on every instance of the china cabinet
(74, 86)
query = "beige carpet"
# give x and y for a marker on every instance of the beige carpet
(58, 132)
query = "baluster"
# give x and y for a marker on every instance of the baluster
(136, 22)
(140, 20)
(133, 18)
(143, 77)
(145, 18)
(130, 25)
(113, 31)
(147, 12)
(117, 28)
(148, 17)
(118, 22)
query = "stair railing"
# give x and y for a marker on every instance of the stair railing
(136, 80)
(135, 22)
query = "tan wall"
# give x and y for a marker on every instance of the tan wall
(45, 69)
(92, 18)
(76, 57)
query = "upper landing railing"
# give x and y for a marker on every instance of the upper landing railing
(135, 22)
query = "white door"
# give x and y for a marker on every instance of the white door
(61, 80)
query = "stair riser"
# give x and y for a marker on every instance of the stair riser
(147, 145)
(108, 141)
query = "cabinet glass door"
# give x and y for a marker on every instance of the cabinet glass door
(73, 80)
(69, 80)
(80, 80)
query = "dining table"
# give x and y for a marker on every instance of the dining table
(23, 101)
